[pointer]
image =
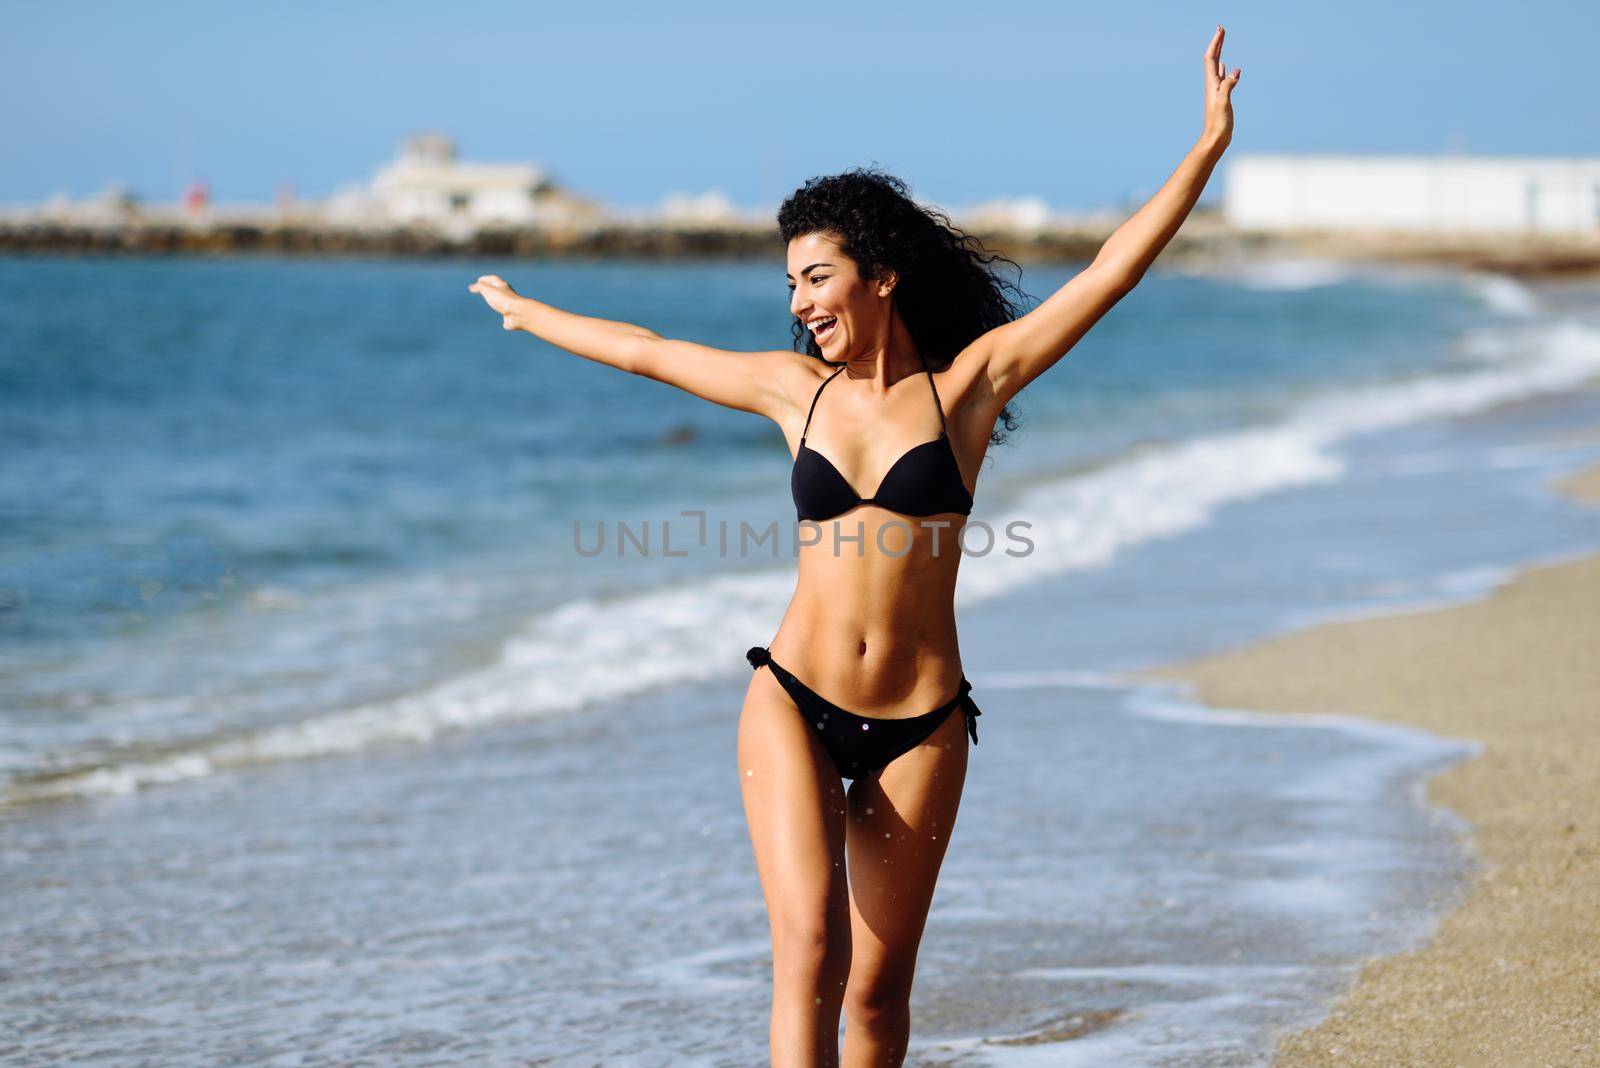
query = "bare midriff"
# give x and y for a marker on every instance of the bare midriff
(872, 624)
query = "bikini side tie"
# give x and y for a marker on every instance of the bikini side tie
(971, 709)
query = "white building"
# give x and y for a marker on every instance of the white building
(426, 183)
(710, 208)
(1417, 193)
(1015, 214)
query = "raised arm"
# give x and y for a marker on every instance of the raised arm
(1017, 352)
(748, 381)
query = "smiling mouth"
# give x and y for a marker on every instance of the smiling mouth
(823, 329)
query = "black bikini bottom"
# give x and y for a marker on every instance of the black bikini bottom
(863, 744)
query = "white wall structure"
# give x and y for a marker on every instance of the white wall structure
(426, 183)
(1015, 214)
(709, 208)
(1420, 193)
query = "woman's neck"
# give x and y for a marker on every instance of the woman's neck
(892, 357)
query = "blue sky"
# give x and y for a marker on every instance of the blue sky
(1083, 104)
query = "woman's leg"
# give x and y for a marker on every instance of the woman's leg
(794, 804)
(899, 826)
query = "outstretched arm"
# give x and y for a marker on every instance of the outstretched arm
(1017, 352)
(748, 381)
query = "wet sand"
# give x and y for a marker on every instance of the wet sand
(1512, 976)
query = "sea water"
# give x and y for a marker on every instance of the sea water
(322, 740)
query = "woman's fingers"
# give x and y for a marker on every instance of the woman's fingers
(499, 297)
(494, 290)
(489, 281)
(1213, 57)
(1217, 76)
(1219, 88)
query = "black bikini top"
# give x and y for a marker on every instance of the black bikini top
(926, 480)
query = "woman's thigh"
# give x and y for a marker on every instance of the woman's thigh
(899, 826)
(794, 804)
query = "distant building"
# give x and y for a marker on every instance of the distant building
(115, 205)
(1423, 193)
(710, 208)
(196, 198)
(426, 183)
(1015, 215)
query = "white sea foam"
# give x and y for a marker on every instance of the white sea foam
(1406, 596)
(1048, 679)
(694, 971)
(1292, 273)
(595, 649)
(1085, 521)
(1505, 295)
(1500, 293)
(1165, 974)
(1205, 1024)
(586, 651)
(1397, 746)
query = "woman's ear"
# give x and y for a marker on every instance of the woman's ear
(887, 280)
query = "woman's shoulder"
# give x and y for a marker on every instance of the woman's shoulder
(798, 376)
(808, 372)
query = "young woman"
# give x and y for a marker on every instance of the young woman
(891, 301)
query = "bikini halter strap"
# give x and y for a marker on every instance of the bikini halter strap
(937, 405)
(814, 398)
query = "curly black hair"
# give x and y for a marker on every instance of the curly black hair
(946, 294)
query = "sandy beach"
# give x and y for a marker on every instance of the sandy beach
(1511, 976)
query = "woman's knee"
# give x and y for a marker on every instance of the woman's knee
(882, 995)
(809, 945)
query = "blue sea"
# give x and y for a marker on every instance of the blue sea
(326, 737)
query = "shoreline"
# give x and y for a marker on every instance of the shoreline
(1511, 974)
(1215, 911)
(1204, 241)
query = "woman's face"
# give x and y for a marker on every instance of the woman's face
(825, 284)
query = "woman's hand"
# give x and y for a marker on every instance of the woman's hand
(499, 295)
(1219, 87)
